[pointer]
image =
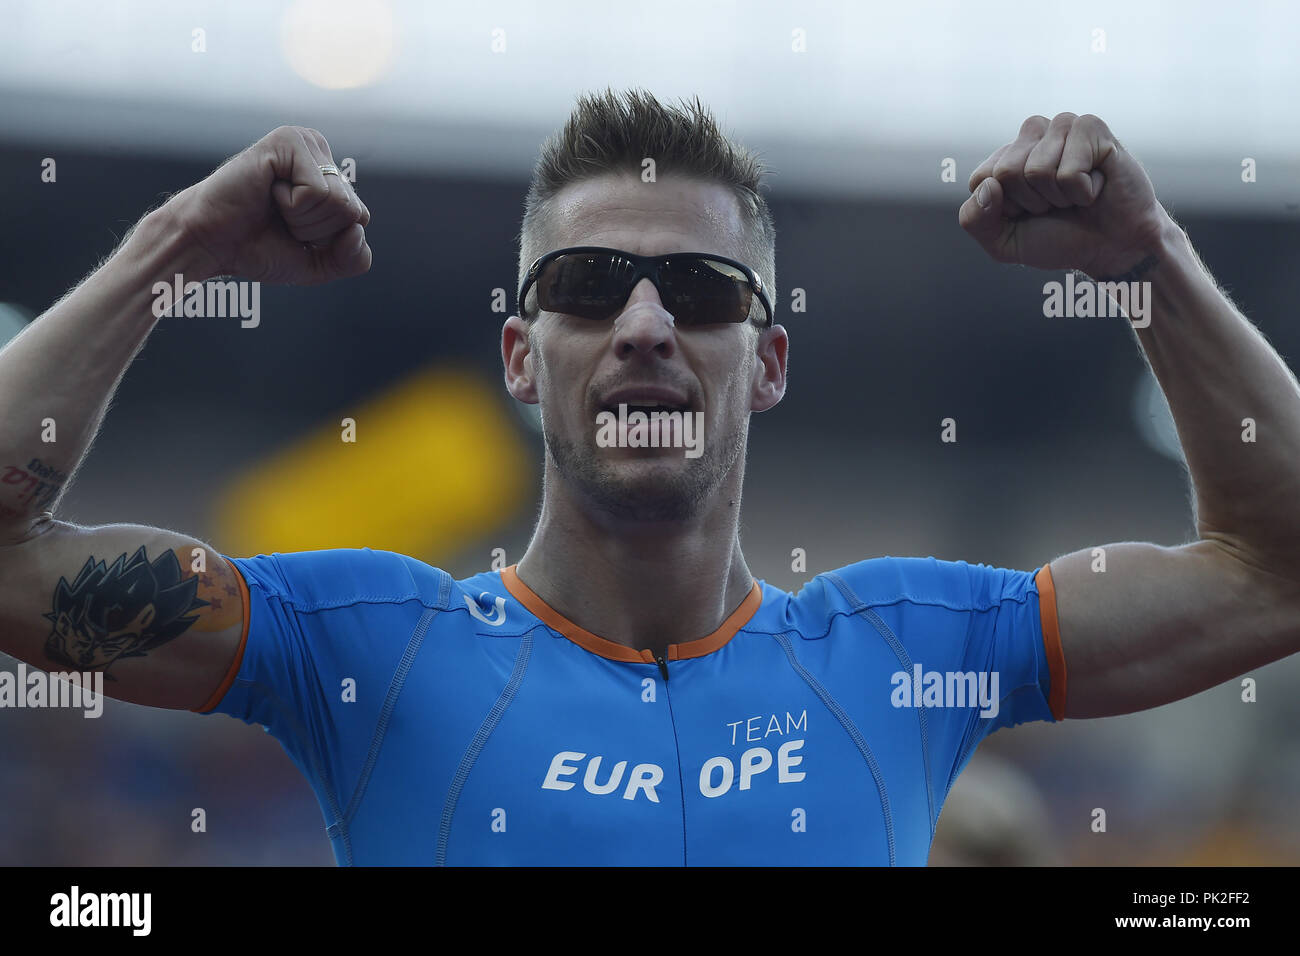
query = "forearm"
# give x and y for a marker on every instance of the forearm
(1216, 369)
(58, 375)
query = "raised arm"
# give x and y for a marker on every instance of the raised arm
(1161, 623)
(158, 612)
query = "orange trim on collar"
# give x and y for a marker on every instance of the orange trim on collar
(620, 652)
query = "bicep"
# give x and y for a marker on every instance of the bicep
(1142, 625)
(159, 613)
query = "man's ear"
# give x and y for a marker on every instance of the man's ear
(517, 356)
(768, 386)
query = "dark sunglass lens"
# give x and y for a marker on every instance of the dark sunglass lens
(704, 291)
(590, 285)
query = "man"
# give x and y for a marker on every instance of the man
(628, 693)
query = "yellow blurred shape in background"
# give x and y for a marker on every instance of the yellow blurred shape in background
(436, 465)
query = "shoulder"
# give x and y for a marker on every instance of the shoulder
(334, 577)
(917, 582)
(955, 584)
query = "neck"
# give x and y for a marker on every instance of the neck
(644, 585)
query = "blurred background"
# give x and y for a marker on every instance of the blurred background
(231, 433)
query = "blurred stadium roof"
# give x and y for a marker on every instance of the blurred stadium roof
(879, 96)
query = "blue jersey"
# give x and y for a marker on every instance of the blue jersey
(466, 722)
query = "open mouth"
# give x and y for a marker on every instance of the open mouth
(649, 419)
(649, 409)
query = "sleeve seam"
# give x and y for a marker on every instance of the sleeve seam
(237, 663)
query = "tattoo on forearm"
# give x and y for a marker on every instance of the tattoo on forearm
(128, 608)
(37, 483)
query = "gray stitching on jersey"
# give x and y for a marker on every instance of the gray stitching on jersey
(332, 603)
(898, 600)
(444, 591)
(854, 734)
(381, 728)
(477, 744)
(302, 608)
(905, 660)
(299, 733)
(349, 602)
(927, 602)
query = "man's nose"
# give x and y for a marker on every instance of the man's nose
(644, 325)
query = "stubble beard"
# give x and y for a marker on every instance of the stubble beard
(668, 488)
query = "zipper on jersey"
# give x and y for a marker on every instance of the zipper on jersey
(663, 667)
(681, 781)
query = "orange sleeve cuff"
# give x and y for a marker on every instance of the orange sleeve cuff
(1052, 640)
(233, 672)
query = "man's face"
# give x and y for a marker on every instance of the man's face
(576, 368)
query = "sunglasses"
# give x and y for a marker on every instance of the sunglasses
(593, 282)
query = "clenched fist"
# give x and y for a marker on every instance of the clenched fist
(1064, 195)
(270, 214)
